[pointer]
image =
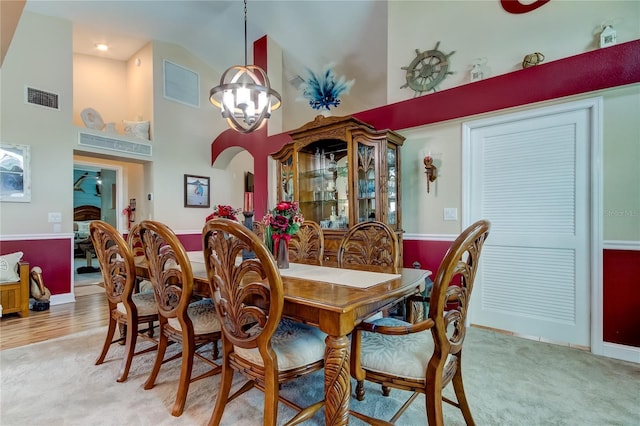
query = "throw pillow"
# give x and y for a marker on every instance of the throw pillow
(139, 129)
(9, 267)
(82, 228)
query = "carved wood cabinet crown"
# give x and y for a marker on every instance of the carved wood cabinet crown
(342, 171)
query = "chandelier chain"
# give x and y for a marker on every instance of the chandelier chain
(244, 95)
(245, 33)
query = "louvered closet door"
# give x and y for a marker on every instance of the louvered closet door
(530, 177)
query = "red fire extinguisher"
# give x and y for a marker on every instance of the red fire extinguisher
(130, 212)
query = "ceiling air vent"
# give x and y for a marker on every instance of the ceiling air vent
(113, 144)
(42, 98)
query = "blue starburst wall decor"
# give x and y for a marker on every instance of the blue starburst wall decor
(323, 90)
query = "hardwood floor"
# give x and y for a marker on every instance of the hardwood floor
(87, 312)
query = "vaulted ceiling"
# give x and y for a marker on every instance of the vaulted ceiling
(313, 34)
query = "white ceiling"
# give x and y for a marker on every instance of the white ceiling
(351, 34)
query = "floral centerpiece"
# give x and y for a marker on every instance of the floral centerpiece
(280, 224)
(227, 212)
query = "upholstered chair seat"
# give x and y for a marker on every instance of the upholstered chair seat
(403, 356)
(295, 345)
(145, 304)
(203, 316)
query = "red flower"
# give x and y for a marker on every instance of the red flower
(284, 206)
(280, 223)
(224, 211)
(284, 219)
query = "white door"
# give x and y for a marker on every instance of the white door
(528, 173)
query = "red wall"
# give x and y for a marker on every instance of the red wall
(53, 256)
(621, 305)
(191, 242)
(428, 253)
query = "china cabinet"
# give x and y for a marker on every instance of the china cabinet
(342, 171)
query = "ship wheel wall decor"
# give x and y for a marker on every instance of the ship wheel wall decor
(427, 70)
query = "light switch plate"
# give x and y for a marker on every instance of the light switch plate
(55, 217)
(450, 213)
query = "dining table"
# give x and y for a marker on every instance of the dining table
(335, 300)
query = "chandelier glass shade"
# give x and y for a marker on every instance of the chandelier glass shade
(244, 95)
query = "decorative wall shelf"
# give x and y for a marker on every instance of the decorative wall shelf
(599, 69)
(113, 142)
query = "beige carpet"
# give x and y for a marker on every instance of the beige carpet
(509, 381)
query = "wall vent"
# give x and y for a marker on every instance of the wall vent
(113, 144)
(42, 98)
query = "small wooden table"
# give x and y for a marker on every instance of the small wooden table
(334, 308)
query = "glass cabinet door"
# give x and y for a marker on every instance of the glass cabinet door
(322, 180)
(367, 190)
(286, 180)
(392, 186)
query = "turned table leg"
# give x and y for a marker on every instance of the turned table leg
(337, 381)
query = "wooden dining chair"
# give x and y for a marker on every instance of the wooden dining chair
(127, 309)
(259, 230)
(137, 250)
(307, 245)
(193, 324)
(370, 246)
(134, 241)
(426, 356)
(256, 341)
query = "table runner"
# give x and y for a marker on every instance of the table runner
(340, 276)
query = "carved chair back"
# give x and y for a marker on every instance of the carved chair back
(134, 241)
(370, 246)
(451, 292)
(169, 270)
(249, 297)
(307, 245)
(258, 229)
(116, 263)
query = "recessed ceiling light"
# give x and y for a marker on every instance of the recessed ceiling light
(102, 47)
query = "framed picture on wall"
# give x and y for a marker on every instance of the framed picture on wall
(15, 173)
(196, 191)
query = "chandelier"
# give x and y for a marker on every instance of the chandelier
(244, 94)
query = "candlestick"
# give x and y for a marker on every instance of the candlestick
(248, 201)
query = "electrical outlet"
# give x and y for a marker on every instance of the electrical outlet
(450, 213)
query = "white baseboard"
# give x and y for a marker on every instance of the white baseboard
(623, 352)
(61, 299)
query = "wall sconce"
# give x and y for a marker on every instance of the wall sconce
(430, 170)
